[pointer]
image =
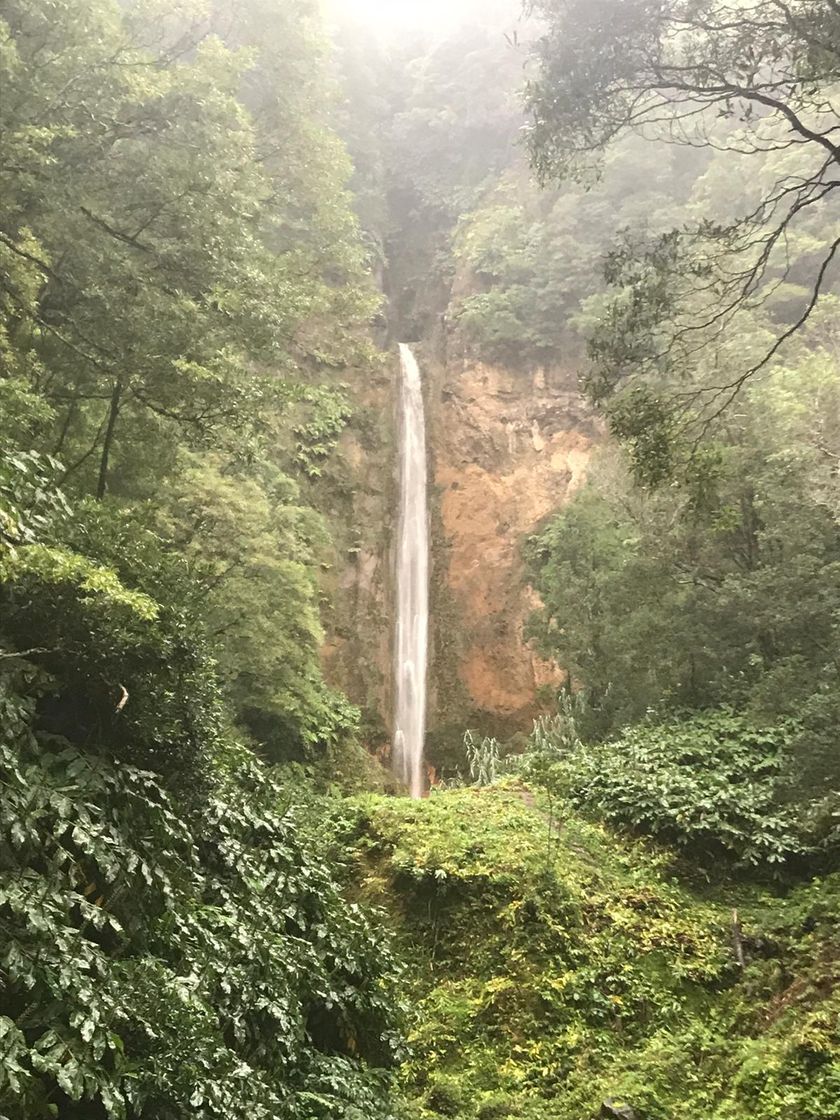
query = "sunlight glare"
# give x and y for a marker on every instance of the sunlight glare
(390, 14)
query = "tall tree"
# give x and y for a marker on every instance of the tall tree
(751, 79)
(173, 220)
(182, 284)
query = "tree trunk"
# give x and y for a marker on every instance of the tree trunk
(113, 412)
(65, 427)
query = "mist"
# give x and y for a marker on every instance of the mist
(391, 20)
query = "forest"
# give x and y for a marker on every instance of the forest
(609, 230)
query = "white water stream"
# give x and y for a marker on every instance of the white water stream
(412, 637)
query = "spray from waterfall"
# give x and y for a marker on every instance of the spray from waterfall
(412, 636)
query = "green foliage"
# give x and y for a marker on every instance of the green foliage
(183, 286)
(716, 590)
(176, 941)
(170, 248)
(752, 91)
(126, 671)
(557, 734)
(497, 1107)
(549, 979)
(28, 497)
(707, 592)
(531, 260)
(431, 121)
(709, 783)
(316, 437)
(251, 546)
(165, 960)
(445, 1096)
(482, 758)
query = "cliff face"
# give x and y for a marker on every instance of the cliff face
(508, 448)
(359, 500)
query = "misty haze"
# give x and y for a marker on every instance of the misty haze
(419, 560)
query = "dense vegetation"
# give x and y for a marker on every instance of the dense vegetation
(684, 266)
(716, 592)
(559, 971)
(182, 289)
(175, 942)
(183, 274)
(633, 911)
(755, 83)
(697, 570)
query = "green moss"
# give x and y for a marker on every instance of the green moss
(356, 493)
(451, 700)
(550, 973)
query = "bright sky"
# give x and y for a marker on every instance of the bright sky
(394, 14)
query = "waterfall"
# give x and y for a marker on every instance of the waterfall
(412, 634)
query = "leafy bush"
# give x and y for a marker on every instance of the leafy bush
(497, 1107)
(709, 783)
(482, 757)
(445, 1096)
(162, 961)
(128, 674)
(552, 978)
(28, 496)
(175, 940)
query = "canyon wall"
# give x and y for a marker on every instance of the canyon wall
(506, 449)
(358, 497)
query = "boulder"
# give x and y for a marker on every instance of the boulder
(612, 1111)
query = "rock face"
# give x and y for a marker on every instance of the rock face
(612, 1111)
(358, 497)
(508, 448)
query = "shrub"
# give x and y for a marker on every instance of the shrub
(445, 1096)
(710, 783)
(497, 1107)
(162, 961)
(128, 674)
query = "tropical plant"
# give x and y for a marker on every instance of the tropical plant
(710, 783)
(176, 939)
(482, 753)
(169, 960)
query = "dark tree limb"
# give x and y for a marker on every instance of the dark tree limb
(107, 444)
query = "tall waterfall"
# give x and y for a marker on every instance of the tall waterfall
(412, 637)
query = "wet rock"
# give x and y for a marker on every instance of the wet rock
(612, 1111)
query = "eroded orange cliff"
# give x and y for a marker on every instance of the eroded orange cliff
(508, 449)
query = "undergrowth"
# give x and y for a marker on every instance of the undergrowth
(553, 971)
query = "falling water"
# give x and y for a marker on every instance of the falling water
(412, 636)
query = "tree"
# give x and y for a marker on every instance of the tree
(652, 602)
(182, 287)
(251, 549)
(176, 245)
(533, 258)
(754, 80)
(429, 124)
(683, 599)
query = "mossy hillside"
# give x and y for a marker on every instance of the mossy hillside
(355, 490)
(550, 974)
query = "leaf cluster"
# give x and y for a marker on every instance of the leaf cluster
(163, 959)
(709, 783)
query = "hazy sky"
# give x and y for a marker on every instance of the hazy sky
(397, 12)
(391, 15)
